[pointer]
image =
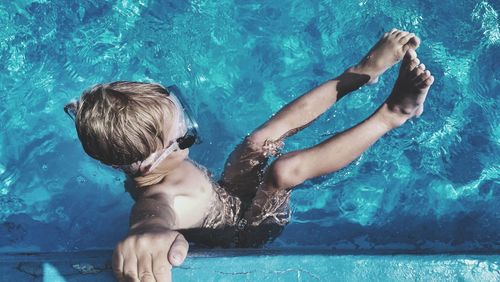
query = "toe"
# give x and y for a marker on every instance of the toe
(419, 111)
(401, 35)
(403, 40)
(392, 31)
(421, 66)
(429, 81)
(420, 81)
(415, 73)
(414, 42)
(414, 63)
(409, 63)
(411, 55)
(397, 34)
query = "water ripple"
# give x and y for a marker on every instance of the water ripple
(239, 62)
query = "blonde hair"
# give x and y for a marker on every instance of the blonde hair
(122, 122)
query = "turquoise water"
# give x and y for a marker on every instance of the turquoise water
(431, 185)
(265, 266)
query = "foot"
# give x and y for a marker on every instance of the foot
(388, 51)
(410, 90)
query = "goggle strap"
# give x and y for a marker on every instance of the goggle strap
(163, 155)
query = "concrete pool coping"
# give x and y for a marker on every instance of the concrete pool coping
(263, 265)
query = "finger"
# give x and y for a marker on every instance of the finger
(178, 250)
(145, 268)
(117, 265)
(162, 269)
(130, 269)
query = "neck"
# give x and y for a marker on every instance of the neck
(178, 172)
(171, 170)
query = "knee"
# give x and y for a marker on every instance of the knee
(260, 141)
(285, 172)
(256, 139)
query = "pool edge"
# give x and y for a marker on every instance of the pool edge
(264, 265)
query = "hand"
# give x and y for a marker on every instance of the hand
(149, 256)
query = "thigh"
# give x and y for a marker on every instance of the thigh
(244, 169)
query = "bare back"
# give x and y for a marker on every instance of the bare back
(188, 191)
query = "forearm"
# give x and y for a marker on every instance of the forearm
(150, 215)
(305, 109)
(341, 149)
(151, 248)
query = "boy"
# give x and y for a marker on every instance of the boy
(145, 130)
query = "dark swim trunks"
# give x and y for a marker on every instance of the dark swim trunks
(226, 226)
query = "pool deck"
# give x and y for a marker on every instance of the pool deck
(263, 265)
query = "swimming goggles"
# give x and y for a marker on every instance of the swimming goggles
(183, 120)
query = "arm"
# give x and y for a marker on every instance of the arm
(151, 247)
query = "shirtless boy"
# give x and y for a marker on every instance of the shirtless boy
(145, 130)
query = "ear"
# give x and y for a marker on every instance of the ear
(145, 169)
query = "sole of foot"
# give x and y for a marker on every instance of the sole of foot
(389, 50)
(411, 88)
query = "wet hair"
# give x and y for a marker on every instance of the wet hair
(123, 122)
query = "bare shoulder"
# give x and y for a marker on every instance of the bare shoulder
(185, 196)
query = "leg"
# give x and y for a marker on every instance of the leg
(405, 102)
(243, 170)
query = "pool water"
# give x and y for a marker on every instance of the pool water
(432, 185)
